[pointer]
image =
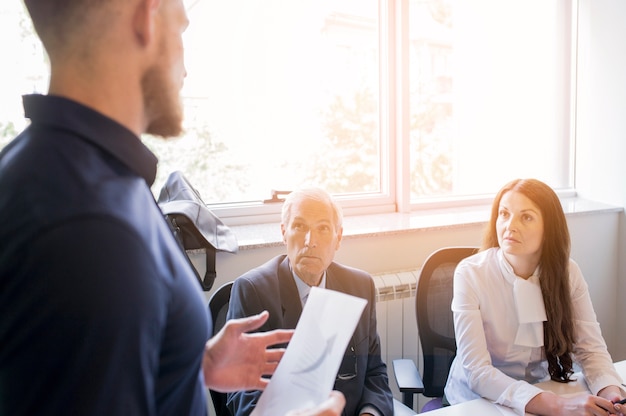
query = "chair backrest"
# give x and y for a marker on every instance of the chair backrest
(218, 306)
(434, 316)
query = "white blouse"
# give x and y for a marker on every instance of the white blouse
(499, 343)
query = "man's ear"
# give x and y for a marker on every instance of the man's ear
(339, 237)
(144, 20)
(282, 232)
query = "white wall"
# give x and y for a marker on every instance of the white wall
(601, 128)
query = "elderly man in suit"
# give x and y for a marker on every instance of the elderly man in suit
(311, 226)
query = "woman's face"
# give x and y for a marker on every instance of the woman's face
(519, 227)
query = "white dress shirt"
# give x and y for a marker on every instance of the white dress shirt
(499, 347)
(304, 288)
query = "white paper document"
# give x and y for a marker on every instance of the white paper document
(306, 374)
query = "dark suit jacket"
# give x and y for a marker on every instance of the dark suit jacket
(271, 287)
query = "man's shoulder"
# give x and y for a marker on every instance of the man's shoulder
(269, 269)
(344, 270)
(350, 280)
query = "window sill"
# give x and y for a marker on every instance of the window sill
(254, 236)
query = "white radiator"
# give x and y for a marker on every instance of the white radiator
(397, 323)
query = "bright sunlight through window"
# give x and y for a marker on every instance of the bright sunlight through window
(379, 102)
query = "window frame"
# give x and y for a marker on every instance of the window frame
(395, 134)
(394, 125)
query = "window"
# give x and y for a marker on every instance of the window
(279, 94)
(489, 94)
(390, 104)
(24, 67)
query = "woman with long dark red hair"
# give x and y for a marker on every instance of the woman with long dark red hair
(522, 313)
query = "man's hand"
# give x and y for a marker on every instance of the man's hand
(235, 360)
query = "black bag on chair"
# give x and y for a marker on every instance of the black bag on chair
(194, 225)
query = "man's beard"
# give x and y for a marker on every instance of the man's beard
(162, 104)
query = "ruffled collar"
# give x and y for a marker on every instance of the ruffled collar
(529, 306)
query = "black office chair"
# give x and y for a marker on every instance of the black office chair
(218, 306)
(435, 328)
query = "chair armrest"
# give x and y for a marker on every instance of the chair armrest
(408, 380)
(407, 376)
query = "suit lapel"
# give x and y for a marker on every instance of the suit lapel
(289, 296)
(333, 281)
